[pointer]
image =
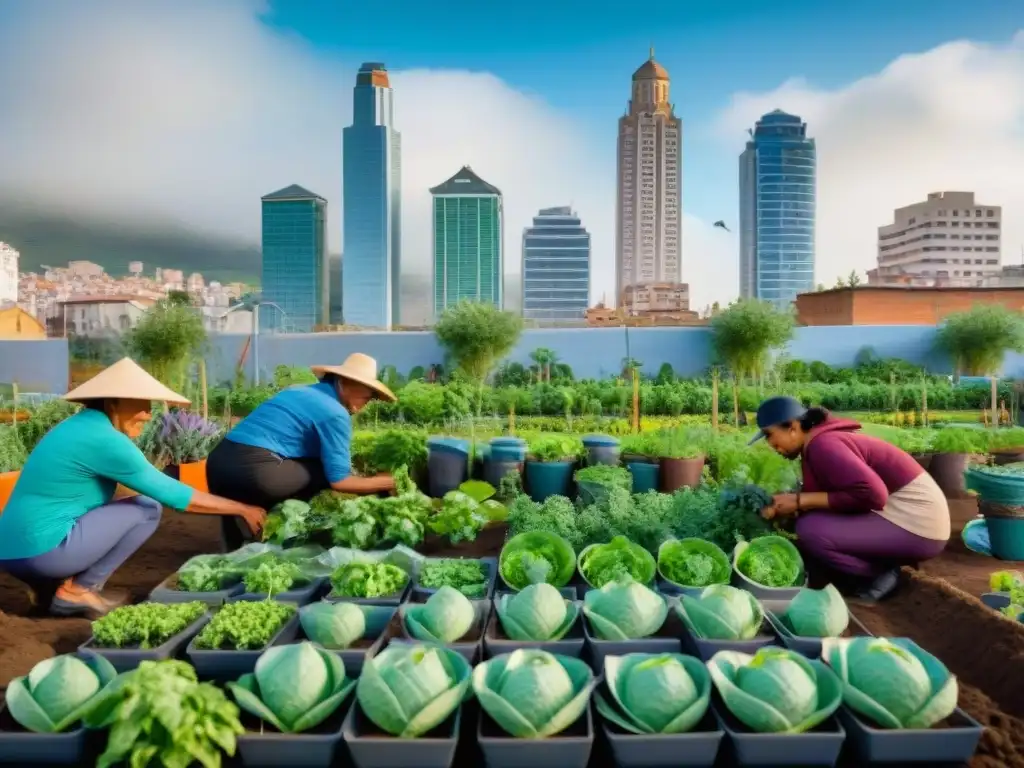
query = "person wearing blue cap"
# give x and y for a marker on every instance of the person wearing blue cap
(864, 508)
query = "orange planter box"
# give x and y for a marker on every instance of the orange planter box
(7, 481)
(194, 475)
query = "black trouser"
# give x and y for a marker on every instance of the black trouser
(255, 476)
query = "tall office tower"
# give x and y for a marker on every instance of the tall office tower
(777, 207)
(295, 259)
(372, 206)
(556, 267)
(649, 189)
(8, 273)
(468, 258)
(948, 240)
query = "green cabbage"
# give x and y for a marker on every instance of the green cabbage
(624, 610)
(336, 626)
(538, 613)
(58, 692)
(600, 564)
(693, 563)
(536, 557)
(533, 694)
(294, 687)
(655, 693)
(816, 613)
(722, 613)
(446, 616)
(769, 561)
(409, 688)
(893, 683)
(775, 690)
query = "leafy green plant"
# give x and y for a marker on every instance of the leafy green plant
(536, 557)
(643, 444)
(771, 561)
(460, 517)
(470, 577)
(445, 618)
(693, 562)
(1005, 581)
(166, 340)
(555, 448)
(294, 687)
(368, 580)
(957, 440)
(408, 688)
(816, 613)
(722, 613)
(477, 335)
(655, 692)
(624, 610)
(978, 339)
(208, 573)
(539, 613)
(337, 626)
(600, 564)
(533, 694)
(366, 522)
(159, 714)
(146, 625)
(604, 474)
(273, 576)
(58, 692)
(893, 683)
(294, 521)
(775, 690)
(245, 625)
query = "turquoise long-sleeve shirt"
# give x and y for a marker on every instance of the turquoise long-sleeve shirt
(75, 468)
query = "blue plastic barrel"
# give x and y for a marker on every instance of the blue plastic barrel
(508, 449)
(1006, 537)
(645, 476)
(602, 449)
(447, 464)
(548, 478)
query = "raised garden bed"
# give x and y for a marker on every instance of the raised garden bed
(167, 592)
(19, 746)
(128, 657)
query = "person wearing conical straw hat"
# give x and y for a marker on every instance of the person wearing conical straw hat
(61, 524)
(297, 443)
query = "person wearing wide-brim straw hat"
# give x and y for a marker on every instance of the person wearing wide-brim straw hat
(61, 531)
(297, 443)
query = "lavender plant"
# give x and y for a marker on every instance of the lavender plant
(179, 437)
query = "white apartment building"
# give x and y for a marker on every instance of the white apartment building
(649, 210)
(949, 240)
(8, 274)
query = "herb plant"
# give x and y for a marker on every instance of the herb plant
(208, 573)
(146, 625)
(245, 625)
(368, 580)
(272, 577)
(460, 518)
(470, 577)
(600, 564)
(551, 448)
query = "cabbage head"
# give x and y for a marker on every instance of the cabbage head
(538, 613)
(294, 688)
(536, 557)
(693, 563)
(58, 692)
(769, 561)
(599, 564)
(816, 613)
(533, 694)
(624, 610)
(776, 690)
(446, 616)
(655, 692)
(722, 613)
(336, 626)
(893, 683)
(410, 688)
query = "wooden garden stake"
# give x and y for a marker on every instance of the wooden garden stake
(924, 401)
(512, 419)
(995, 399)
(714, 399)
(202, 383)
(636, 401)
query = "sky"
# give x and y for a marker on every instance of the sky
(188, 111)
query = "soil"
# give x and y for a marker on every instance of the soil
(937, 608)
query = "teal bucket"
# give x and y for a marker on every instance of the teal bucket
(548, 478)
(1006, 537)
(645, 476)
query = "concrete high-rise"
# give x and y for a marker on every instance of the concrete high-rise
(372, 206)
(948, 240)
(8, 273)
(777, 210)
(468, 255)
(649, 209)
(294, 272)
(556, 267)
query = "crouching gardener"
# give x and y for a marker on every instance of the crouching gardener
(61, 524)
(298, 443)
(865, 508)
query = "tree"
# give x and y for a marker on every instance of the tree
(853, 279)
(978, 339)
(544, 358)
(745, 334)
(167, 340)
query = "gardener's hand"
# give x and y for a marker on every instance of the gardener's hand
(254, 518)
(385, 483)
(784, 504)
(768, 512)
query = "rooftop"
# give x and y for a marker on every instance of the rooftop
(293, 192)
(465, 182)
(651, 70)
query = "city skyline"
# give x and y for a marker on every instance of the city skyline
(537, 124)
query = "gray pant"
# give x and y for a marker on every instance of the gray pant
(101, 541)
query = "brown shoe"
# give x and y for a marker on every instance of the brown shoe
(73, 600)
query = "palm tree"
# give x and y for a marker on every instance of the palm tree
(544, 358)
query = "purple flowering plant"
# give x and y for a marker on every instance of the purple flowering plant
(179, 437)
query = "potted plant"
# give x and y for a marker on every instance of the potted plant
(280, 578)
(549, 465)
(148, 631)
(538, 618)
(916, 442)
(375, 583)
(594, 483)
(229, 645)
(954, 448)
(804, 622)
(448, 618)
(600, 564)
(681, 463)
(626, 617)
(179, 441)
(296, 694)
(472, 577)
(345, 629)
(432, 683)
(640, 457)
(535, 557)
(770, 567)
(724, 618)
(211, 579)
(689, 565)
(535, 710)
(1007, 445)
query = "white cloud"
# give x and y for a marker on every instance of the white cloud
(948, 119)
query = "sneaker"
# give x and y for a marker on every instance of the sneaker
(72, 600)
(881, 587)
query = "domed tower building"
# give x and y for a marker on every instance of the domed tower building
(648, 269)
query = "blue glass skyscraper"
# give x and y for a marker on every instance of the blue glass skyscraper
(294, 266)
(777, 208)
(556, 267)
(372, 208)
